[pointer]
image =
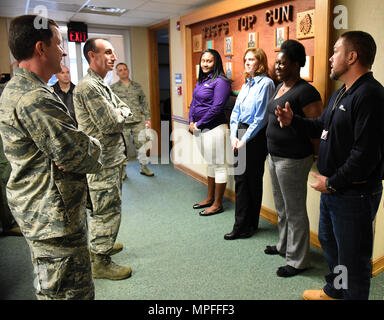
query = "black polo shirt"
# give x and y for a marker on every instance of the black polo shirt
(67, 98)
(351, 150)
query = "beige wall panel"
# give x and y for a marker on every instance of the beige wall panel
(5, 62)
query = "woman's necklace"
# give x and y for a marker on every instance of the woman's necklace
(284, 89)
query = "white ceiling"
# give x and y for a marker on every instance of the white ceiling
(139, 12)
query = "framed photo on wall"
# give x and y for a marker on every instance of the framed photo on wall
(228, 46)
(229, 70)
(253, 40)
(210, 44)
(281, 34)
(197, 42)
(306, 72)
(305, 27)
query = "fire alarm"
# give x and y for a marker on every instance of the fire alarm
(178, 25)
(179, 90)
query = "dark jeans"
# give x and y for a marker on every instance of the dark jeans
(249, 185)
(346, 236)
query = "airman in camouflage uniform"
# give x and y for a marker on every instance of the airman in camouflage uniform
(101, 114)
(49, 157)
(7, 221)
(132, 94)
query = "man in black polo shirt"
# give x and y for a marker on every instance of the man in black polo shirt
(350, 164)
(64, 89)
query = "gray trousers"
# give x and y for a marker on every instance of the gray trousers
(289, 185)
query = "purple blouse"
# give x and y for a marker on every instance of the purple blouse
(209, 98)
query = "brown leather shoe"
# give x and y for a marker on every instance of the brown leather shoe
(317, 295)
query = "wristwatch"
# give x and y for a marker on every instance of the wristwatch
(329, 188)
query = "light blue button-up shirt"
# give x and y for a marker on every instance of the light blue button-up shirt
(251, 106)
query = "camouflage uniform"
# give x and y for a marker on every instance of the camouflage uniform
(132, 94)
(6, 218)
(97, 111)
(48, 204)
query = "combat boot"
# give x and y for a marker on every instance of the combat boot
(117, 247)
(104, 268)
(146, 171)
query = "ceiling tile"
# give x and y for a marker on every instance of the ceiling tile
(12, 4)
(160, 7)
(117, 21)
(123, 4)
(186, 2)
(140, 12)
(146, 14)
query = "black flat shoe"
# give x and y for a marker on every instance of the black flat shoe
(232, 235)
(238, 235)
(288, 271)
(206, 214)
(272, 250)
(201, 206)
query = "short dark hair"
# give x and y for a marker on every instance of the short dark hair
(23, 35)
(218, 70)
(121, 63)
(364, 44)
(294, 51)
(90, 45)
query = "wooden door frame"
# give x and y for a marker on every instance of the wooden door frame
(154, 88)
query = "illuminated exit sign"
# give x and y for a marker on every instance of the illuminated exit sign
(77, 32)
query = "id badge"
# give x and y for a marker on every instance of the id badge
(324, 135)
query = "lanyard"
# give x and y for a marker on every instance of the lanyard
(337, 101)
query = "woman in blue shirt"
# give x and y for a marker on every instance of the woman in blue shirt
(206, 114)
(248, 124)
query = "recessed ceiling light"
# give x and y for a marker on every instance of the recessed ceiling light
(103, 10)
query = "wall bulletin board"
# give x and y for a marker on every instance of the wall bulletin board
(231, 29)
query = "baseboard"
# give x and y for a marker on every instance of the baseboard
(271, 216)
(229, 194)
(377, 266)
(191, 173)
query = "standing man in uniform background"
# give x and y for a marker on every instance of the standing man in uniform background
(7, 221)
(64, 89)
(132, 94)
(47, 188)
(101, 114)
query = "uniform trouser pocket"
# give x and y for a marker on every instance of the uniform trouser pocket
(62, 268)
(104, 221)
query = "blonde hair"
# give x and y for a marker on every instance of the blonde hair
(262, 60)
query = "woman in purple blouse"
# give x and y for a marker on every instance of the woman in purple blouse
(206, 115)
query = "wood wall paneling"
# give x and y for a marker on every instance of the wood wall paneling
(225, 12)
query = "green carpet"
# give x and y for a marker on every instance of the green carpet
(177, 255)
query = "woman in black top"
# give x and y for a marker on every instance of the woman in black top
(290, 158)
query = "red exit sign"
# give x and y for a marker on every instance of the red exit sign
(77, 32)
(77, 36)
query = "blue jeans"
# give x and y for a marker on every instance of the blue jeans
(346, 236)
